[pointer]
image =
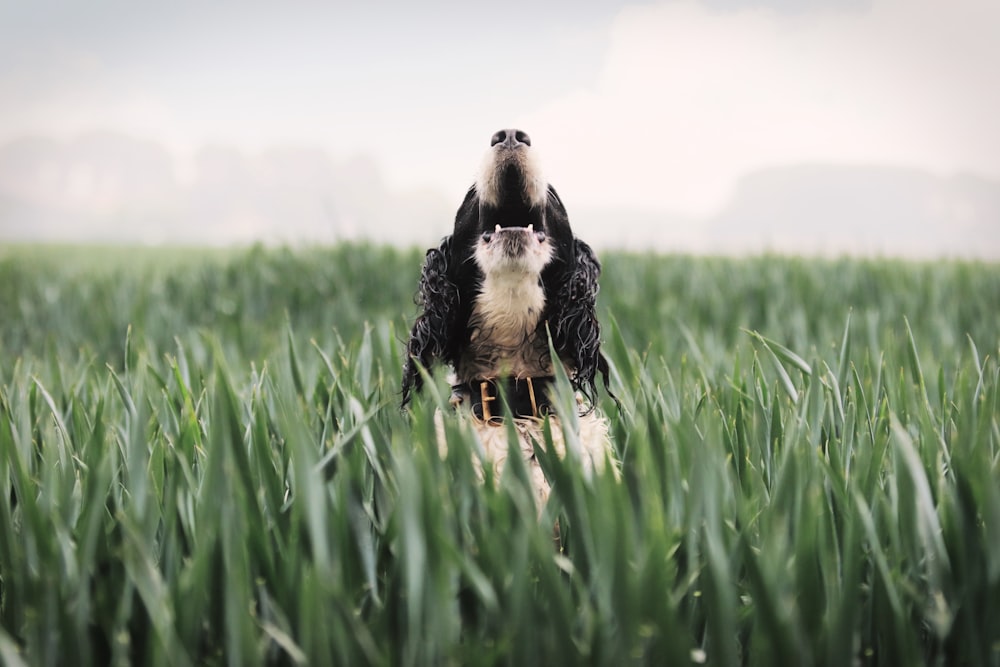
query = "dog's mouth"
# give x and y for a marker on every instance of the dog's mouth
(513, 241)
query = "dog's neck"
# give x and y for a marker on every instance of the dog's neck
(504, 322)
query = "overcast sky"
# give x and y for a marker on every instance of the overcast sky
(654, 106)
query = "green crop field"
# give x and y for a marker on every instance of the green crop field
(202, 462)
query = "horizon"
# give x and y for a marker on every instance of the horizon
(658, 114)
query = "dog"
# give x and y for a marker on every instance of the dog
(509, 279)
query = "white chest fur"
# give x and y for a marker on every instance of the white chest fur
(505, 317)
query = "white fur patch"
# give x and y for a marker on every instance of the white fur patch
(595, 446)
(510, 300)
(508, 307)
(491, 171)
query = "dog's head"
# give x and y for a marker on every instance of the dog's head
(511, 222)
(510, 191)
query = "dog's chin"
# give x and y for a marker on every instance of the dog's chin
(513, 251)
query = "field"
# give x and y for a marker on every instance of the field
(202, 461)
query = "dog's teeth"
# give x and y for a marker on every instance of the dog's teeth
(531, 228)
(497, 229)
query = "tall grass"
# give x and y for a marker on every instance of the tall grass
(201, 462)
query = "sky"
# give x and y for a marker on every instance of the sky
(658, 107)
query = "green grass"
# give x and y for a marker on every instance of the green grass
(201, 462)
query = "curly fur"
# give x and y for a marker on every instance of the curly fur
(451, 279)
(438, 297)
(576, 333)
(509, 279)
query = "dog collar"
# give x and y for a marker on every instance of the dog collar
(526, 397)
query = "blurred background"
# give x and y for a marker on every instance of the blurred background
(821, 127)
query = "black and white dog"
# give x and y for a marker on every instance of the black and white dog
(509, 276)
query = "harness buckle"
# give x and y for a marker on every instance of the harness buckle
(531, 396)
(484, 394)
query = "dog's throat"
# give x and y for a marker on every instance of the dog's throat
(509, 306)
(504, 326)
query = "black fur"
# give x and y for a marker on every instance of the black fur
(450, 281)
(434, 331)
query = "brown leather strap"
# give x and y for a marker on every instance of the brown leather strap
(526, 397)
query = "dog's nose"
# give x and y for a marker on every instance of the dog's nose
(510, 138)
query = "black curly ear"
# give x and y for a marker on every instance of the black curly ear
(572, 318)
(431, 336)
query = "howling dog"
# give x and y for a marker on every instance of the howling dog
(510, 278)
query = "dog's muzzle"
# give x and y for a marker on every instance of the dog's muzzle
(525, 397)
